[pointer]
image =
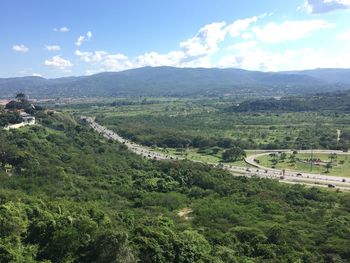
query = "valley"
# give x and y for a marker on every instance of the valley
(175, 131)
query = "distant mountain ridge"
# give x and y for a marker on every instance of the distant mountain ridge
(171, 81)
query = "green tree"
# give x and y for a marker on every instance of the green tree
(192, 247)
(233, 154)
(21, 97)
(332, 157)
(109, 247)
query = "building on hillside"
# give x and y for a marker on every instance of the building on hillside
(27, 118)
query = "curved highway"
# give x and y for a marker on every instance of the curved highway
(342, 183)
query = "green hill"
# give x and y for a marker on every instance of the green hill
(169, 81)
(75, 197)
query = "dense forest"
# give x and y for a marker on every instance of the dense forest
(335, 101)
(207, 124)
(69, 195)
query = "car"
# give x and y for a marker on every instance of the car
(299, 174)
(331, 186)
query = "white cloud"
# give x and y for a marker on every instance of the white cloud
(243, 46)
(249, 56)
(62, 29)
(289, 30)
(20, 48)
(81, 39)
(193, 52)
(89, 72)
(116, 62)
(154, 59)
(236, 28)
(344, 36)
(208, 38)
(106, 61)
(206, 41)
(324, 6)
(52, 47)
(247, 35)
(85, 56)
(58, 62)
(98, 56)
(209, 48)
(229, 61)
(37, 75)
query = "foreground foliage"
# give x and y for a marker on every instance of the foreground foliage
(75, 197)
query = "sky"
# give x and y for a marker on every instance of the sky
(72, 38)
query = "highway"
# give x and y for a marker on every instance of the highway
(292, 177)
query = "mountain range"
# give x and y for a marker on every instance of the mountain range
(171, 81)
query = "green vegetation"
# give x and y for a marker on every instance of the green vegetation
(336, 101)
(233, 154)
(21, 103)
(180, 82)
(208, 155)
(206, 123)
(9, 118)
(75, 197)
(307, 162)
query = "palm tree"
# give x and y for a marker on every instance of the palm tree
(332, 156)
(328, 166)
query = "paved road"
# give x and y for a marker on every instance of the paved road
(251, 160)
(258, 170)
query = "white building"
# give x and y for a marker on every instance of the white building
(27, 120)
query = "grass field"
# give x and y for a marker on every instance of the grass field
(198, 155)
(340, 165)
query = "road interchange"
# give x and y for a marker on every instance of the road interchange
(292, 177)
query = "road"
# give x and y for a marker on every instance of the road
(341, 183)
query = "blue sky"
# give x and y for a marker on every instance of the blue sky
(64, 38)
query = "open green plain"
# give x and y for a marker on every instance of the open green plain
(339, 166)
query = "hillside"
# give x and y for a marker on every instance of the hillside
(169, 81)
(328, 75)
(75, 197)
